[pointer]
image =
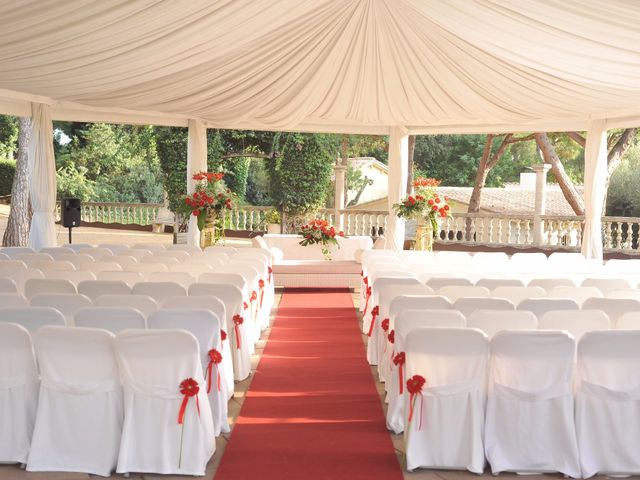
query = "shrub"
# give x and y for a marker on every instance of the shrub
(7, 172)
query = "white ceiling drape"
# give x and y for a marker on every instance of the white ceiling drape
(330, 65)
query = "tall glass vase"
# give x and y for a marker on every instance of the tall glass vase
(424, 235)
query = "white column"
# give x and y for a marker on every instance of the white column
(42, 178)
(595, 174)
(196, 162)
(541, 202)
(398, 171)
(340, 173)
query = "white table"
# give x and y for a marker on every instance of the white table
(292, 250)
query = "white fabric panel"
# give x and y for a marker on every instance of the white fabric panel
(530, 385)
(196, 162)
(350, 66)
(80, 411)
(397, 189)
(152, 364)
(608, 403)
(18, 392)
(447, 426)
(595, 175)
(290, 245)
(42, 178)
(112, 319)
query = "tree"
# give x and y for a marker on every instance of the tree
(8, 136)
(171, 144)
(17, 232)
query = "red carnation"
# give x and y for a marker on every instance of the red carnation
(399, 359)
(215, 356)
(238, 320)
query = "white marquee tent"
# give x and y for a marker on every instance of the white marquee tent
(362, 66)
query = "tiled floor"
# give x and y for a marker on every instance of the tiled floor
(13, 472)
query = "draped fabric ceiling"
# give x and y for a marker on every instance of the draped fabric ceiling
(327, 65)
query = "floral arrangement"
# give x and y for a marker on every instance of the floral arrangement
(210, 199)
(319, 231)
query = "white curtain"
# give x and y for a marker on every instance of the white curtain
(595, 174)
(42, 178)
(398, 172)
(196, 162)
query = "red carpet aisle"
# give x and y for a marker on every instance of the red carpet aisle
(312, 411)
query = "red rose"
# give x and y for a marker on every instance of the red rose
(385, 324)
(238, 320)
(399, 359)
(215, 356)
(430, 202)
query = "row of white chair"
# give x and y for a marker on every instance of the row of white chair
(533, 421)
(127, 388)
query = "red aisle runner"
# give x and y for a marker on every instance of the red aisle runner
(312, 411)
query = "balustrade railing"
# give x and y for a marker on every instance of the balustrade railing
(124, 213)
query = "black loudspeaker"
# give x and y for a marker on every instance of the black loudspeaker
(70, 209)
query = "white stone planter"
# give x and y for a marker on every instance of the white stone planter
(274, 228)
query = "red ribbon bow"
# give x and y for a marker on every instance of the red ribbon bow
(270, 270)
(366, 303)
(375, 311)
(223, 335)
(237, 320)
(414, 387)
(215, 357)
(392, 336)
(399, 360)
(261, 285)
(189, 388)
(245, 305)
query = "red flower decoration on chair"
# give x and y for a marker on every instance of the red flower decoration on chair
(189, 388)
(398, 361)
(215, 357)
(399, 358)
(392, 336)
(375, 311)
(270, 270)
(238, 320)
(245, 305)
(254, 295)
(223, 335)
(366, 303)
(261, 283)
(385, 325)
(414, 387)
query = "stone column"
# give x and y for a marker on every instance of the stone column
(340, 173)
(540, 206)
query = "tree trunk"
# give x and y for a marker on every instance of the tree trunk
(17, 232)
(566, 185)
(614, 157)
(412, 149)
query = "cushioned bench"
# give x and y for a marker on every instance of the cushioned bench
(317, 273)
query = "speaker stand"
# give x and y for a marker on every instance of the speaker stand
(70, 235)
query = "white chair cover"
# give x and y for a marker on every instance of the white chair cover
(113, 319)
(76, 247)
(608, 403)
(205, 326)
(549, 283)
(239, 338)
(143, 303)
(95, 288)
(138, 253)
(8, 286)
(524, 262)
(123, 260)
(76, 259)
(18, 393)
(146, 268)
(66, 303)
(32, 318)
(12, 265)
(98, 254)
(406, 322)
(579, 294)
(116, 248)
(194, 270)
(540, 306)
(10, 300)
(517, 294)
(153, 363)
(576, 323)
(152, 247)
(628, 293)
(628, 321)
(448, 415)
(158, 290)
(33, 286)
(613, 307)
(492, 283)
(529, 420)
(367, 291)
(494, 321)
(73, 277)
(57, 265)
(468, 305)
(192, 249)
(13, 252)
(607, 285)
(454, 292)
(179, 255)
(80, 410)
(98, 266)
(436, 283)
(21, 275)
(181, 278)
(155, 260)
(130, 278)
(217, 307)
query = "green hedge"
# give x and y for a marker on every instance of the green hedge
(7, 171)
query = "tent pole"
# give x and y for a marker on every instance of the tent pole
(196, 162)
(398, 171)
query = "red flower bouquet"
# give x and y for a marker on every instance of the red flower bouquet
(319, 231)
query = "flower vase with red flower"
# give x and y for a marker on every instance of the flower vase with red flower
(319, 231)
(427, 208)
(208, 203)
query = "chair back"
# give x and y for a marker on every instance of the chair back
(32, 318)
(576, 323)
(158, 290)
(112, 319)
(143, 303)
(468, 305)
(494, 321)
(95, 288)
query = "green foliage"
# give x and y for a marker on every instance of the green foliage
(623, 198)
(236, 173)
(72, 181)
(304, 172)
(272, 216)
(171, 145)
(7, 172)
(8, 136)
(258, 182)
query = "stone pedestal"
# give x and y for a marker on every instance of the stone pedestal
(340, 172)
(540, 205)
